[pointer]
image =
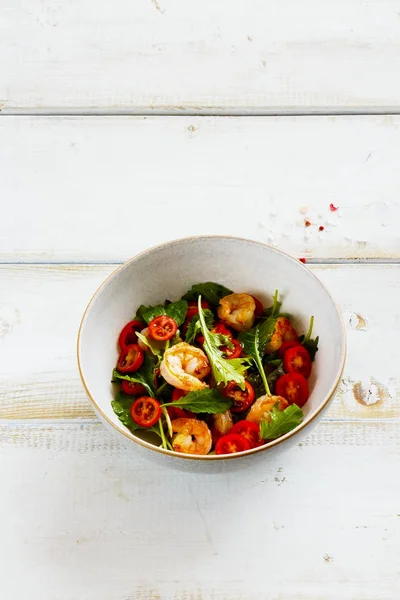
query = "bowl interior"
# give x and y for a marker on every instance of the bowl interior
(168, 271)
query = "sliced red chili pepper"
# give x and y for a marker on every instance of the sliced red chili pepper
(163, 328)
(286, 345)
(231, 443)
(130, 359)
(234, 352)
(293, 387)
(128, 336)
(175, 412)
(242, 398)
(131, 388)
(146, 411)
(250, 431)
(259, 307)
(297, 360)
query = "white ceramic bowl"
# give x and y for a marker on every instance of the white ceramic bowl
(168, 271)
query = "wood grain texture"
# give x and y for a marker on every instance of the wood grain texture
(79, 504)
(84, 179)
(176, 55)
(41, 308)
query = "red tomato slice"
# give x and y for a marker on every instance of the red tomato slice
(234, 352)
(242, 398)
(286, 345)
(146, 411)
(200, 339)
(163, 328)
(222, 329)
(127, 337)
(132, 388)
(230, 443)
(293, 387)
(193, 309)
(297, 360)
(175, 412)
(130, 359)
(250, 431)
(259, 307)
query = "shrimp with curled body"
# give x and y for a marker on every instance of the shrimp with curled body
(238, 311)
(261, 407)
(191, 436)
(283, 332)
(184, 366)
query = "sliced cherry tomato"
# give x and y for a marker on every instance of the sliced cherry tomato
(250, 431)
(131, 388)
(259, 307)
(200, 339)
(130, 359)
(127, 337)
(146, 411)
(193, 309)
(297, 360)
(230, 443)
(234, 352)
(242, 398)
(175, 412)
(286, 345)
(293, 387)
(222, 329)
(163, 328)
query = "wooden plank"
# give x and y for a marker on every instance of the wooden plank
(175, 55)
(71, 186)
(41, 308)
(79, 504)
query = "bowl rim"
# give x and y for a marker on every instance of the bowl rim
(130, 436)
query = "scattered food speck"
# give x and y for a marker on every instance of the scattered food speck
(303, 210)
(307, 223)
(303, 260)
(328, 558)
(321, 228)
(332, 207)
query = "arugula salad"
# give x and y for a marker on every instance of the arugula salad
(214, 372)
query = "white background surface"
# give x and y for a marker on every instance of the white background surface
(82, 517)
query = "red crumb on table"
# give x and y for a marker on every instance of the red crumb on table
(333, 207)
(303, 260)
(321, 228)
(307, 223)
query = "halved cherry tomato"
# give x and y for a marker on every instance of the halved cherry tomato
(200, 339)
(242, 398)
(259, 307)
(222, 329)
(250, 431)
(146, 411)
(131, 388)
(293, 387)
(163, 328)
(175, 412)
(286, 345)
(230, 443)
(127, 337)
(234, 352)
(192, 310)
(297, 360)
(130, 359)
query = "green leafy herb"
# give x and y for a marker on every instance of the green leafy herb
(194, 325)
(258, 385)
(140, 312)
(282, 421)
(310, 344)
(150, 344)
(212, 292)
(273, 311)
(122, 408)
(223, 370)
(273, 377)
(145, 375)
(254, 342)
(175, 310)
(208, 401)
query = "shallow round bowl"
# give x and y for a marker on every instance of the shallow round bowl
(168, 271)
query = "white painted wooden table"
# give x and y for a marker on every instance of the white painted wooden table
(247, 116)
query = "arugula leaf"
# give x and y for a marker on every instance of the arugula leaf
(175, 310)
(140, 312)
(254, 342)
(122, 408)
(209, 401)
(255, 380)
(282, 421)
(212, 292)
(273, 311)
(310, 344)
(273, 377)
(145, 375)
(224, 370)
(148, 342)
(194, 325)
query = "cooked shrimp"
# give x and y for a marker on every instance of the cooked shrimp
(284, 331)
(264, 404)
(191, 436)
(237, 310)
(184, 366)
(221, 424)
